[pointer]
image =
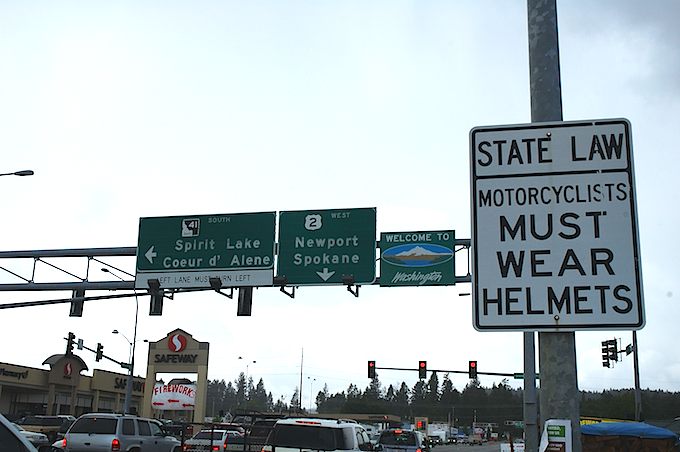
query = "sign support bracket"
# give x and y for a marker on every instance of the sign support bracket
(216, 285)
(290, 294)
(283, 281)
(349, 281)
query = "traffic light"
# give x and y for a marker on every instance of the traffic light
(420, 425)
(245, 301)
(157, 295)
(422, 369)
(156, 305)
(371, 369)
(605, 353)
(100, 352)
(69, 343)
(613, 350)
(77, 304)
(472, 369)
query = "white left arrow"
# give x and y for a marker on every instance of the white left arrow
(151, 254)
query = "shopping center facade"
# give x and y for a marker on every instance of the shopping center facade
(64, 386)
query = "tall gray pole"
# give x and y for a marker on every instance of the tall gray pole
(636, 370)
(128, 386)
(559, 395)
(530, 402)
(302, 357)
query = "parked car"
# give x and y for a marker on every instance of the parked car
(460, 438)
(104, 432)
(401, 440)
(298, 434)
(13, 441)
(37, 439)
(212, 439)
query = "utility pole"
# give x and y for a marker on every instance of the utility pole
(557, 351)
(636, 369)
(530, 410)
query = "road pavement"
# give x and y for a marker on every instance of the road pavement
(486, 447)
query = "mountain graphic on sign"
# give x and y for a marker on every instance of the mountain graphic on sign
(417, 255)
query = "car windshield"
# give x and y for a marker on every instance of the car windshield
(398, 438)
(307, 437)
(95, 425)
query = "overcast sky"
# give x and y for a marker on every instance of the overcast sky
(140, 109)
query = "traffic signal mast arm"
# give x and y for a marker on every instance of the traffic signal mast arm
(122, 364)
(499, 374)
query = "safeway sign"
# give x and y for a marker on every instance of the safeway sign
(555, 235)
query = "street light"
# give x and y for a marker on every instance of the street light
(133, 344)
(19, 173)
(311, 392)
(248, 363)
(106, 270)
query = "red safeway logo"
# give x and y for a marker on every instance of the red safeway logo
(177, 343)
(68, 370)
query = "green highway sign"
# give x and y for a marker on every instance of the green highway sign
(417, 258)
(520, 376)
(319, 247)
(187, 251)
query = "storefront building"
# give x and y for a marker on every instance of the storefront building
(63, 389)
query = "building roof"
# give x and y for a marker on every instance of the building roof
(52, 360)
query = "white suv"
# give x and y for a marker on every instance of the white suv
(298, 434)
(214, 440)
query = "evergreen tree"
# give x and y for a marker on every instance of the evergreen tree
(258, 399)
(230, 399)
(504, 403)
(373, 391)
(418, 399)
(402, 399)
(295, 400)
(473, 399)
(321, 397)
(390, 396)
(432, 390)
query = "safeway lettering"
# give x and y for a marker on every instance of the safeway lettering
(173, 358)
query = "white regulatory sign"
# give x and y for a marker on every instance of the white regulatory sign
(555, 242)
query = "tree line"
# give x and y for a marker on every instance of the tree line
(440, 402)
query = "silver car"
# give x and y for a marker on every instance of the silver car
(37, 439)
(12, 441)
(104, 432)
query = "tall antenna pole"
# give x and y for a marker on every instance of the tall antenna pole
(302, 356)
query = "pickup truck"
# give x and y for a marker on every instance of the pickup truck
(53, 426)
(475, 439)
